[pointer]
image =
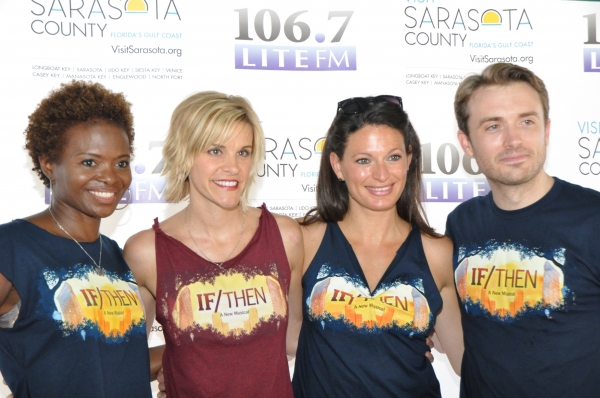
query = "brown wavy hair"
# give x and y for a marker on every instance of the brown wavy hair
(332, 194)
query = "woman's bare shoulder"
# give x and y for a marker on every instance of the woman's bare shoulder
(438, 251)
(139, 251)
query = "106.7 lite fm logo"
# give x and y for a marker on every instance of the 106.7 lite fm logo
(447, 163)
(591, 56)
(589, 130)
(253, 48)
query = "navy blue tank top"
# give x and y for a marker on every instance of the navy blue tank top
(80, 331)
(358, 343)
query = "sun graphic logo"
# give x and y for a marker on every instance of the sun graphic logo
(136, 7)
(491, 18)
(319, 146)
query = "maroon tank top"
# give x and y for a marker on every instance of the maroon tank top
(225, 330)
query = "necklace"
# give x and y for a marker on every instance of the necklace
(220, 265)
(97, 264)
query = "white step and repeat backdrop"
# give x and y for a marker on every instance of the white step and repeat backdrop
(295, 61)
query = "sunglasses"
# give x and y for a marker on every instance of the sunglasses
(354, 106)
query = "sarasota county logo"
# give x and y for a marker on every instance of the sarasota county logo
(456, 27)
(90, 18)
(283, 155)
(266, 49)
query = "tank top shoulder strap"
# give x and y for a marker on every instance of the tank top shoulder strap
(155, 225)
(332, 241)
(334, 230)
(269, 226)
(415, 235)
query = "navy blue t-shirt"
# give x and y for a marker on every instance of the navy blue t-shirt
(80, 332)
(358, 343)
(528, 283)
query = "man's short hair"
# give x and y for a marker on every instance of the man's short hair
(496, 74)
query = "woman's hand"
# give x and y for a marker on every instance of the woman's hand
(161, 385)
(430, 344)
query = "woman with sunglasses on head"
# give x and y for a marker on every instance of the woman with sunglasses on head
(377, 277)
(71, 320)
(220, 271)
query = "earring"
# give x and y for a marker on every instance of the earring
(128, 202)
(340, 179)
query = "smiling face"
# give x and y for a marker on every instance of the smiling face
(508, 134)
(220, 173)
(374, 167)
(93, 172)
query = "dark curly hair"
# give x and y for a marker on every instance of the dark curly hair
(72, 104)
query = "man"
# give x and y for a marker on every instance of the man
(527, 255)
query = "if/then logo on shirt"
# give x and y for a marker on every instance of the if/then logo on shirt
(92, 303)
(397, 305)
(233, 305)
(507, 283)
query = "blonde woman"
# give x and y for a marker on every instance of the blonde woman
(219, 273)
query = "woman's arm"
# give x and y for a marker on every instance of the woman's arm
(156, 355)
(140, 255)
(8, 295)
(293, 244)
(448, 323)
(311, 237)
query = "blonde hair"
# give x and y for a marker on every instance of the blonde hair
(200, 121)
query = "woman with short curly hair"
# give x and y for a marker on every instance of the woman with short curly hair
(72, 104)
(71, 318)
